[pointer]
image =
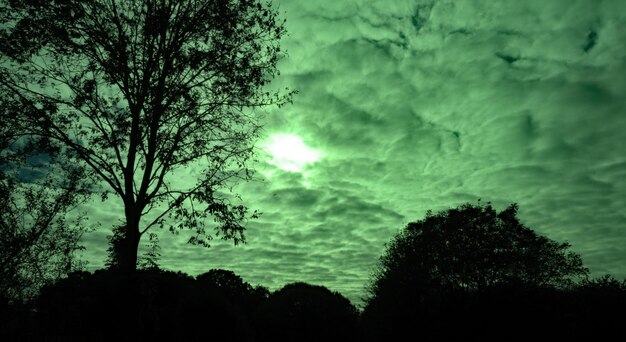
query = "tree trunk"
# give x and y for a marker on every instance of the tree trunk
(128, 257)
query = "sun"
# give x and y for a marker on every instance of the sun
(288, 152)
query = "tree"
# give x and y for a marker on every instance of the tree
(37, 241)
(471, 248)
(468, 273)
(115, 245)
(138, 91)
(143, 305)
(305, 312)
(150, 259)
(226, 281)
(234, 288)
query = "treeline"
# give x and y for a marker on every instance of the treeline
(219, 306)
(468, 273)
(592, 310)
(155, 304)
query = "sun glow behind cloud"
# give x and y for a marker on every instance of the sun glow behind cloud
(288, 152)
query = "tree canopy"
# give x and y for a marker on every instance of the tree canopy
(471, 248)
(306, 312)
(138, 93)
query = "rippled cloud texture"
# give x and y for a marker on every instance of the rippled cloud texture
(418, 105)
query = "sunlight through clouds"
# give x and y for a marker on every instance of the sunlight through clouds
(288, 152)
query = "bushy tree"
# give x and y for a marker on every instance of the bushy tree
(114, 305)
(227, 281)
(470, 248)
(470, 273)
(305, 312)
(137, 91)
(234, 288)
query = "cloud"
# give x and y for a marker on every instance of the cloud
(421, 105)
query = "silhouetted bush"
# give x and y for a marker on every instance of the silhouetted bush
(303, 312)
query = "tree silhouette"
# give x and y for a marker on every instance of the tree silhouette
(136, 92)
(113, 305)
(115, 247)
(150, 260)
(304, 312)
(232, 287)
(597, 306)
(452, 271)
(37, 241)
(149, 304)
(473, 247)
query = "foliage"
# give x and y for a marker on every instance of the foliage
(605, 283)
(112, 305)
(472, 273)
(150, 259)
(225, 280)
(38, 242)
(142, 92)
(305, 312)
(115, 245)
(471, 248)
(153, 304)
(149, 304)
(234, 288)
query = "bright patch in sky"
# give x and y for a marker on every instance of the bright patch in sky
(289, 153)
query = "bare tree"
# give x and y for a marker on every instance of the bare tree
(138, 90)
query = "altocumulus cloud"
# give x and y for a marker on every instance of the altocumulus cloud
(421, 105)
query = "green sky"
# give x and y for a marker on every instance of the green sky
(406, 106)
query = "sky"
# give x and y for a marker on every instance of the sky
(406, 106)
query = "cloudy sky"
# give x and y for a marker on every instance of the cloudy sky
(410, 105)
